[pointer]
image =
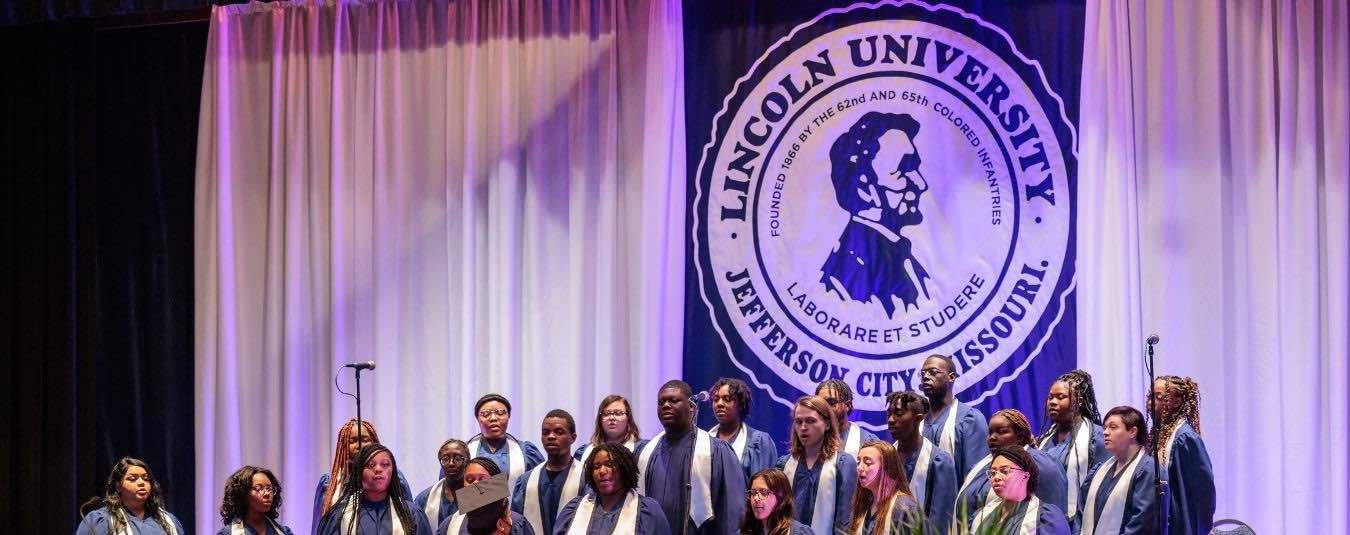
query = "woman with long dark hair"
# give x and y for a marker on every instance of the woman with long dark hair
(132, 502)
(250, 503)
(769, 506)
(1074, 437)
(371, 505)
(349, 441)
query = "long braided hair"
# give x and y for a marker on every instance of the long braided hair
(1021, 426)
(112, 500)
(1082, 395)
(1166, 424)
(397, 501)
(342, 459)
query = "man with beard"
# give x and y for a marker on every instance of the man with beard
(438, 500)
(931, 472)
(696, 479)
(955, 427)
(493, 412)
(615, 506)
(538, 495)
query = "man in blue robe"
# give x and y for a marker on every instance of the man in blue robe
(937, 493)
(731, 404)
(697, 479)
(964, 438)
(840, 399)
(556, 481)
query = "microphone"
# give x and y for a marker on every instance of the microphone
(367, 365)
(702, 397)
(1153, 339)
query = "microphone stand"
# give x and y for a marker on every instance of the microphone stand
(359, 422)
(1159, 484)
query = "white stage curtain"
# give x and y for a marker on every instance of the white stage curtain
(480, 196)
(1213, 195)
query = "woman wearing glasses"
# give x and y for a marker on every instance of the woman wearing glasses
(438, 500)
(514, 456)
(613, 425)
(250, 503)
(769, 506)
(1017, 510)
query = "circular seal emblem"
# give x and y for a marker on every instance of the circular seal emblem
(889, 181)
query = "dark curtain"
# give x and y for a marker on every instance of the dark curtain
(97, 154)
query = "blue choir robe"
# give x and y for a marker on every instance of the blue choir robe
(1051, 487)
(1060, 452)
(650, 520)
(858, 436)
(756, 449)
(447, 507)
(503, 455)
(1190, 484)
(374, 518)
(96, 523)
(970, 442)
(273, 528)
(1050, 520)
(322, 487)
(940, 487)
(585, 449)
(667, 480)
(806, 481)
(550, 495)
(1141, 499)
(519, 526)
(901, 510)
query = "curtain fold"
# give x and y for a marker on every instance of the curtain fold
(479, 196)
(1216, 157)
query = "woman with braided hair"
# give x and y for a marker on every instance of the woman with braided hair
(1009, 428)
(349, 442)
(1074, 438)
(370, 505)
(1175, 405)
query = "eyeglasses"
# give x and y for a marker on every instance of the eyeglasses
(488, 413)
(1004, 471)
(265, 489)
(614, 414)
(758, 493)
(451, 458)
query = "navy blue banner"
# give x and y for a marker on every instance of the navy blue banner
(874, 183)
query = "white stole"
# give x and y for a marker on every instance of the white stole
(1113, 512)
(338, 490)
(533, 513)
(1029, 519)
(433, 507)
(354, 508)
(514, 457)
(628, 515)
(822, 514)
(237, 527)
(456, 521)
(738, 443)
(965, 484)
(886, 511)
(126, 523)
(1076, 459)
(918, 483)
(947, 436)
(700, 474)
(853, 442)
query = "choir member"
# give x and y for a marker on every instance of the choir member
(613, 506)
(250, 502)
(1190, 476)
(553, 483)
(823, 477)
(514, 457)
(613, 423)
(769, 508)
(956, 428)
(731, 404)
(131, 503)
(438, 500)
(483, 504)
(1016, 510)
(370, 505)
(931, 471)
(1009, 428)
(1119, 497)
(349, 442)
(883, 500)
(1074, 438)
(840, 398)
(696, 479)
